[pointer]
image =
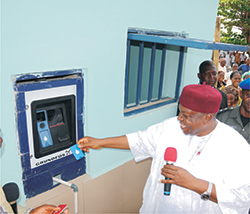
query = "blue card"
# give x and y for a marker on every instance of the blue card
(77, 152)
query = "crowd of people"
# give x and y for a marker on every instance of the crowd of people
(234, 57)
(235, 84)
(231, 71)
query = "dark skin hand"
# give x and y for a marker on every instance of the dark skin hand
(183, 178)
(87, 143)
(47, 209)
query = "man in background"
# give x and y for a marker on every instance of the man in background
(222, 65)
(245, 67)
(208, 73)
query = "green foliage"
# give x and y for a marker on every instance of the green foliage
(235, 13)
(233, 38)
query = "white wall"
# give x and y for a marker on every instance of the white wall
(91, 34)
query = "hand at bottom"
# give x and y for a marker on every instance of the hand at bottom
(46, 209)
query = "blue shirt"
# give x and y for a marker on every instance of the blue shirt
(244, 68)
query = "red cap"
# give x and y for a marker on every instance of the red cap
(170, 154)
(201, 98)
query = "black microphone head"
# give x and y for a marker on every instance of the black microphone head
(11, 191)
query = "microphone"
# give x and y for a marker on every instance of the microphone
(11, 192)
(170, 156)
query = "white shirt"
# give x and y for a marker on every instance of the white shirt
(242, 57)
(228, 59)
(223, 161)
(227, 77)
(233, 59)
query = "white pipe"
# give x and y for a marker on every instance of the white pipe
(62, 182)
(75, 189)
(76, 201)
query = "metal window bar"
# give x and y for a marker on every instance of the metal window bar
(180, 67)
(139, 79)
(152, 65)
(162, 72)
(127, 74)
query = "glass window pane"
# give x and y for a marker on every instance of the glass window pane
(133, 73)
(170, 71)
(157, 72)
(145, 72)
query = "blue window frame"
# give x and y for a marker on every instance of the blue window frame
(153, 71)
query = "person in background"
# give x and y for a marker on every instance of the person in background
(221, 76)
(222, 54)
(232, 59)
(245, 67)
(236, 78)
(239, 117)
(246, 75)
(222, 65)
(228, 59)
(208, 74)
(237, 57)
(242, 58)
(5, 207)
(232, 95)
(227, 77)
(204, 178)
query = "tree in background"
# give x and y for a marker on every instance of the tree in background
(235, 13)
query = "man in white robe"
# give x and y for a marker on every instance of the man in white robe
(209, 163)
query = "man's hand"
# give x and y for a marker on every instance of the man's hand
(183, 178)
(46, 209)
(178, 176)
(87, 143)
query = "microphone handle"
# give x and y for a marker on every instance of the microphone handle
(167, 187)
(14, 208)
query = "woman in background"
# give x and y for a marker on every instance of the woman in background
(221, 84)
(232, 96)
(236, 78)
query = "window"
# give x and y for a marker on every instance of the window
(153, 71)
(155, 64)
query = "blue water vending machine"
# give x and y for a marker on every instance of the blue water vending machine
(49, 115)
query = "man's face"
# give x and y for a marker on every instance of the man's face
(235, 67)
(209, 76)
(191, 121)
(223, 63)
(246, 100)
